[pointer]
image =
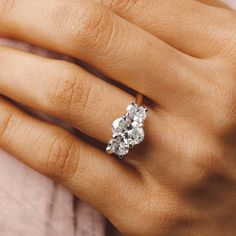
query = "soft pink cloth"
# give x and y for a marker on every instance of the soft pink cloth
(33, 205)
(231, 3)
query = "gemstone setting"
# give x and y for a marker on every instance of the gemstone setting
(127, 131)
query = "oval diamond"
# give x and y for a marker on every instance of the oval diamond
(119, 145)
(120, 125)
(135, 136)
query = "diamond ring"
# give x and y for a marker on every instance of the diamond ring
(127, 131)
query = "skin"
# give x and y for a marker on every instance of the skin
(181, 55)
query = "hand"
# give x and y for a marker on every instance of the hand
(181, 55)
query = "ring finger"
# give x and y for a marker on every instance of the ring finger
(86, 171)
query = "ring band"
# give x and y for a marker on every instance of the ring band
(127, 131)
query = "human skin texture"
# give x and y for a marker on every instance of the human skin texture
(32, 204)
(181, 56)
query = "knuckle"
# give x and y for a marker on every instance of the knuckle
(68, 91)
(5, 7)
(205, 159)
(95, 28)
(61, 162)
(167, 215)
(59, 15)
(85, 27)
(70, 95)
(118, 5)
(206, 164)
(206, 155)
(93, 18)
(210, 163)
(64, 94)
(85, 97)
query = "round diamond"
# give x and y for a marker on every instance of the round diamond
(135, 136)
(119, 145)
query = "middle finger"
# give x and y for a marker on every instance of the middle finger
(62, 90)
(118, 48)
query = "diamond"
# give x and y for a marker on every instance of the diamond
(131, 110)
(120, 125)
(119, 145)
(136, 124)
(132, 107)
(127, 131)
(140, 114)
(135, 136)
(137, 113)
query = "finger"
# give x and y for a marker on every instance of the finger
(88, 30)
(187, 25)
(62, 90)
(86, 171)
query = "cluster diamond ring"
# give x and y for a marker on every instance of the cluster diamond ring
(128, 130)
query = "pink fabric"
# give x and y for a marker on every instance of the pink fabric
(231, 3)
(33, 205)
